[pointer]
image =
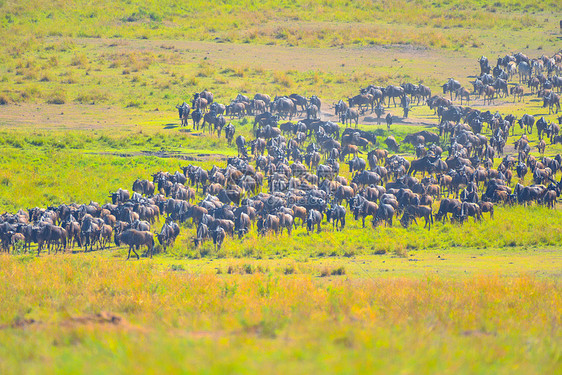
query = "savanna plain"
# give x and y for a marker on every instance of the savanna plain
(88, 94)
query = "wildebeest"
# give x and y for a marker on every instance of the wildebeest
(451, 86)
(336, 214)
(412, 212)
(135, 239)
(168, 234)
(393, 92)
(385, 213)
(143, 187)
(526, 122)
(551, 100)
(218, 236)
(183, 110)
(314, 218)
(229, 131)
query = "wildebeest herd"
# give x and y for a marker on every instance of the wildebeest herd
(288, 176)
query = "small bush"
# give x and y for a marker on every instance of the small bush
(290, 270)
(3, 99)
(326, 271)
(57, 98)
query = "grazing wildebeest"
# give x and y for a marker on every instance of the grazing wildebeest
(469, 209)
(391, 143)
(412, 212)
(384, 213)
(143, 187)
(268, 223)
(135, 239)
(448, 206)
(526, 122)
(168, 234)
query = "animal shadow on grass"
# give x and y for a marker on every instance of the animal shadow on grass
(171, 126)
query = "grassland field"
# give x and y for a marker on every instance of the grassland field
(88, 93)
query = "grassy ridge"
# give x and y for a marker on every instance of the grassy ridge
(296, 323)
(304, 22)
(61, 52)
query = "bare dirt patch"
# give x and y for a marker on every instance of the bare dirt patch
(35, 116)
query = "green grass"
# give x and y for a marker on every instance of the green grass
(87, 94)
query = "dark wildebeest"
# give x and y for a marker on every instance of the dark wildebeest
(357, 164)
(183, 113)
(447, 206)
(143, 187)
(229, 131)
(384, 213)
(526, 122)
(388, 120)
(242, 224)
(218, 235)
(412, 212)
(314, 218)
(552, 100)
(484, 65)
(363, 208)
(362, 100)
(201, 235)
(299, 100)
(135, 239)
(336, 214)
(196, 116)
(168, 234)
(340, 107)
(451, 86)
(393, 92)
(120, 196)
(391, 143)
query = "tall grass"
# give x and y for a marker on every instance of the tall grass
(293, 322)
